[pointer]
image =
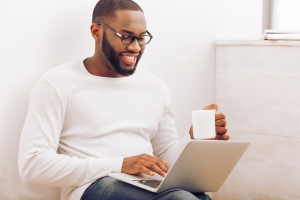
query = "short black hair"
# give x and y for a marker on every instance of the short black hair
(105, 10)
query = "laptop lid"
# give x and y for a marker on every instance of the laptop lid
(204, 165)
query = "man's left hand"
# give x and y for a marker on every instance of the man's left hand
(220, 124)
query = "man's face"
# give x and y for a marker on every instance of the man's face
(124, 58)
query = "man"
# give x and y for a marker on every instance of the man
(104, 116)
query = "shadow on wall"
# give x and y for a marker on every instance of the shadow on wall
(13, 116)
(14, 105)
(51, 33)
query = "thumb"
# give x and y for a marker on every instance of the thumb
(212, 107)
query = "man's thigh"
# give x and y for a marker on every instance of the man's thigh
(109, 188)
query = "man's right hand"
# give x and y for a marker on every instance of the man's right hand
(145, 164)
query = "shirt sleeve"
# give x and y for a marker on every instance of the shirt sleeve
(166, 143)
(38, 160)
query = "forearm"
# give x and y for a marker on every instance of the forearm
(46, 167)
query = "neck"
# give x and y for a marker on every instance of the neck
(99, 66)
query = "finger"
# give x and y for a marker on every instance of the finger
(212, 107)
(146, 171)
(155, 168)
(221, 130)
(219, 137)
(191, 132)
(219, 116)
(222, 137)
(221, 122)
(159, 162)
(161, 165)
(225, 137)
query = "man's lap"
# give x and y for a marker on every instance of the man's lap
(111, 188)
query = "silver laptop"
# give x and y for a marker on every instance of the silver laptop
(203, 166)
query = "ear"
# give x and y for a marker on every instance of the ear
(97, 32)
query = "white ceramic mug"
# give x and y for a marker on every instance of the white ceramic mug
(204, 124)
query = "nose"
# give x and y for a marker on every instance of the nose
(135, 46)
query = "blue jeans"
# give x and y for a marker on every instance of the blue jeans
(108, 188)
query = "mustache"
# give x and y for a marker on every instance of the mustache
(131, 53)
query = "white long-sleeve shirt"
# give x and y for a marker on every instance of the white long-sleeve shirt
(95, 122)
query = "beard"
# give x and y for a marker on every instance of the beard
(114, 59)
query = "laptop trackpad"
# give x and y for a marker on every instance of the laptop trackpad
(150, 183)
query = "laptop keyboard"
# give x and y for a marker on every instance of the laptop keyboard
(150, 183)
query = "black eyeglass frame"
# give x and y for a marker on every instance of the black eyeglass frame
(121, 36)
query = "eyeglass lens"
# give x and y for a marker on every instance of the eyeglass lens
(142, 39)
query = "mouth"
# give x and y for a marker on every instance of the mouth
(129, 59)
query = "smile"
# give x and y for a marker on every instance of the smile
(129, 60)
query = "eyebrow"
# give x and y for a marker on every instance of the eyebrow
(129, 32)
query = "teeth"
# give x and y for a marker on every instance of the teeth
(129, 57)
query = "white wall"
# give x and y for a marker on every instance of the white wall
(285, 14)
(182, 50)
(257, 85)
(38, 35)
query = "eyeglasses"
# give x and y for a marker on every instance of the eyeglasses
(129, 38)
